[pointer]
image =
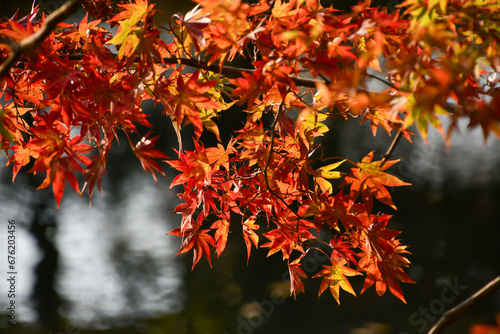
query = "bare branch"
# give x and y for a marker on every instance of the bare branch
(385, 82)
(30, 43)
(452, 315)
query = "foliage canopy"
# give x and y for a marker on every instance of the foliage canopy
(68, 89)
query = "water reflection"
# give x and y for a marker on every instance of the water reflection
(117, 264)
(470, 162)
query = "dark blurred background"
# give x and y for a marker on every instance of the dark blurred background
(110, 268)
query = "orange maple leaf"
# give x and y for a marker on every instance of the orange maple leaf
(249, 235)
(334, 277)
(296, 272)
(370, 180)
(383, 260)
(221, 227)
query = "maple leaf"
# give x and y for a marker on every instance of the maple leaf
(342, 249)
(334, 277)
(133, 12)
(194, 22)
(199, 240)
(56, 154)
(382, 259)
(280, 241)
(249, 235)
(386, 118)
(129, 34)
(424, 111)
(12, 125)
(129, 38)
(210, 125)
(23, 88)
(327, 172)
(221, 227)
(384, 274)
(79, 36)
(60, 171)
(310, 125)
(17, 32)
(339, 208)
(194, 167)
(94, 173)
(247, 89)
(369, 180)
(283, 11)
(296, 272)
(487, 115)
(20, 158)
(191, 96)
(146, 153)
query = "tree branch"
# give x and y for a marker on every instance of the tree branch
(271, 151)
(228, 71)
(37, 38)
(391, 149)
(385, 82)
(232, 72)
(452, 315)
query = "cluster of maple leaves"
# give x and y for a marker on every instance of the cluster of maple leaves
(65, 102)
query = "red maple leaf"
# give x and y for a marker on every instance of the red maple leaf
(197, 239)
(94, 173)
(146, 153)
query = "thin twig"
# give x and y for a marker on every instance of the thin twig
(31, 42)
(391, 149)
(452, 315)
(271, 150)
(385, 82)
